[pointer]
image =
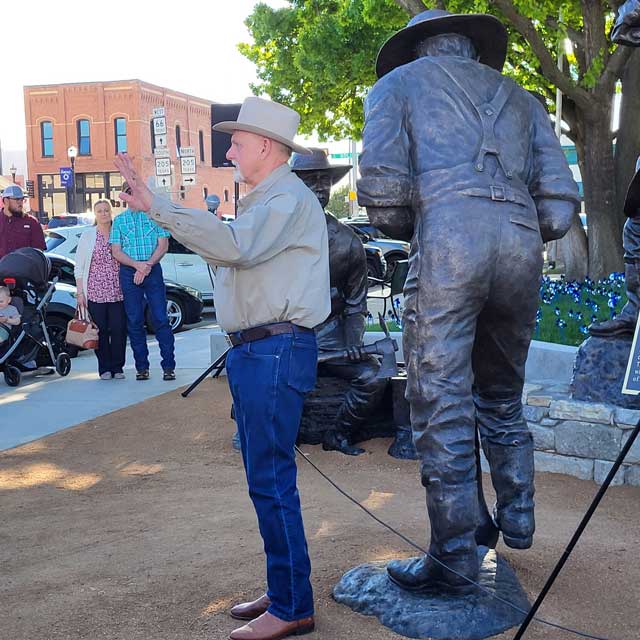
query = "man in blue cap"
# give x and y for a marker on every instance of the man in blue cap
(17, 228)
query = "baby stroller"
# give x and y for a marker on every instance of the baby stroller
(26, 273)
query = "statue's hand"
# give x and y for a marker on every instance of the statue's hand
(354, 354)
(396, 222)
(555, 217)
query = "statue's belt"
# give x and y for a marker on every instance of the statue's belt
(265, 331)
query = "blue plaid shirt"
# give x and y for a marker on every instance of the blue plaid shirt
(136, 234)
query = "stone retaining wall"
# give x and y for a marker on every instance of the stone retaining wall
(580, 439)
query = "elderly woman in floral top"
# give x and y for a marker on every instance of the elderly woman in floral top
(98, 283)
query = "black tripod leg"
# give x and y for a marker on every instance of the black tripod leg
(218, 364)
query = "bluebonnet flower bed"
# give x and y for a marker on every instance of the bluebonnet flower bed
(566, 308)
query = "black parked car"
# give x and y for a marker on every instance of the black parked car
(184, 304)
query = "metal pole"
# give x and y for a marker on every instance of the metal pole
(558, 92)
(576, 536)
(72, 189)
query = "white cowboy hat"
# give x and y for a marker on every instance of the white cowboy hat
(266, 118)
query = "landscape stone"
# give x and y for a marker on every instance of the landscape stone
(529, 388)
(588, 412)
(599, 370)
(600, 470)
(626, 418)
(534, 414)
(588, 440)
(633, 457)
(539, 400)
(555, 463)
(548, 422)
(632, 476)
(543, 437)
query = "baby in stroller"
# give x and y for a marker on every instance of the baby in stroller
(25, 292)
(9, 315)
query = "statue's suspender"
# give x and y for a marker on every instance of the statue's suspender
(488, 113)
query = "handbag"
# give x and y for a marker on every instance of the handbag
(82, 331)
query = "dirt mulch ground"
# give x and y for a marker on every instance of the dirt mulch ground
(137, 526)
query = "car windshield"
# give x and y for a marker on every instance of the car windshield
(67, 221)
(53, 240)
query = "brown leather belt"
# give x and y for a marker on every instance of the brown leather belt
(265, 331)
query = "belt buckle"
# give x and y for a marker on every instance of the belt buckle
(498, 193)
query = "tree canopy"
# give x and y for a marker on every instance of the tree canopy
(318, 56)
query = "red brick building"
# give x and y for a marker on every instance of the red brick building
(102, 118)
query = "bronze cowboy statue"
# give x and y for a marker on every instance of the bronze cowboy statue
(462, 161)
(344, 328)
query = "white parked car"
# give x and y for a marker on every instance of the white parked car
(179, 265)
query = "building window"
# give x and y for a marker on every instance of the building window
(120, 130)
(205, 192)
(178, 139)
(201, 141)
(225, 195)
(46, 132)
(84, 138)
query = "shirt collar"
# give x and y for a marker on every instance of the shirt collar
(261, 188)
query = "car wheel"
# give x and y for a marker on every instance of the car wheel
(57, 330)
(175, 312)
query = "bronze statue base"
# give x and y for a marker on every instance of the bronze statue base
(368, 590)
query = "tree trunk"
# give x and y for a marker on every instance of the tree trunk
(628, 145)
(598, 176)
(571, 251)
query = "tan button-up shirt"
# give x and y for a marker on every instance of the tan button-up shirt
(272, 261)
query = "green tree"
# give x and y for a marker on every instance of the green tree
(339, 202)
(318, 56)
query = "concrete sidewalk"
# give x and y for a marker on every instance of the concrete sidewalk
(45, 404)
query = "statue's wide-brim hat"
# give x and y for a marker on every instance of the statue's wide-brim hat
(487, 33)
(632, 199)
(317, 160)
(266, 118)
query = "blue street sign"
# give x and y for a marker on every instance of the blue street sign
(66, 176)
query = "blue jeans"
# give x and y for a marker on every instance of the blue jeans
(152, 289)
(268, 379)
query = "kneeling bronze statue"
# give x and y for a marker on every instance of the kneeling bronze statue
(344, 329)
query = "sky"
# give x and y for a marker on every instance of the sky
(187, 46)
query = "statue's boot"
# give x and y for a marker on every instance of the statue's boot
(512, 476)
(453, 511)
(487, 533)
(337, 441)
(625, 322)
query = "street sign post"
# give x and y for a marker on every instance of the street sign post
(161, 152)
(160, 140)
(163, 166)
(187, 164)
(158, 112)
(187, 151)
(188, 180)
(163, 182)
(159, 126)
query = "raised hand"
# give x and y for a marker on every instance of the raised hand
(139, 197)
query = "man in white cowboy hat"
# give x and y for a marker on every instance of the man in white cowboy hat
(272, 288)
(463, 161)
(344, 328)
